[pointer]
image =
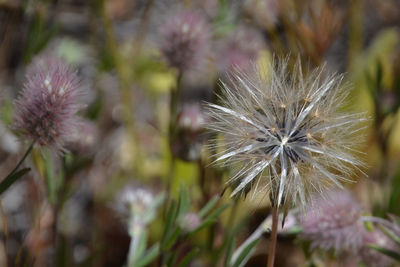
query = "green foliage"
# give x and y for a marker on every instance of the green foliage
(245, 254)
(40, 33)
(12, 178)
(122, 41)
(392, 254)
(394, 197)
(174, 236)
(149, 256)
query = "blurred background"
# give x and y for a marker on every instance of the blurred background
(147, 67)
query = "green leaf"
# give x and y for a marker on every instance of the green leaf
(169, 223)
(171, 259)
(150, 255)
(210, 219)
(183, 202)
(189, 257)
(295, 230)
(390, 234)
(203, 225)
(39, 35)
(10, 179)
(245, 254)
(395, 219)
(394, 197)
(209, 206)
(171, 239)
(218, 211)
(141, 245)
(229, 252)
(390, 253)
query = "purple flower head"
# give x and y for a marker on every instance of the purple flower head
(46, 109)
(186, 38)
(334, 223)
(240, 48)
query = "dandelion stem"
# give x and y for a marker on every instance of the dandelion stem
(273, 237)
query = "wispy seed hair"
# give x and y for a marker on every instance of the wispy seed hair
(284, 133)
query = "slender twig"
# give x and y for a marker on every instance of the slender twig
(22, 159)
(273, 237)
(9, 179)
(124, 75)
(173, 110)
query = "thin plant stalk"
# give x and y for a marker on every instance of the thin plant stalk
(135, 243)
(5, 181)
(123, 73)
(273, 237)
(22, 159)
(173, 110)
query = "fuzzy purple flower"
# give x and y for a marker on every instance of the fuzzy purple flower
(334, 223)
(186, 37)
(46, 109)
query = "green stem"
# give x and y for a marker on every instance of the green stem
(10, 179)
(124, 74)
(173, 110)
(22, 159)
(173, 107)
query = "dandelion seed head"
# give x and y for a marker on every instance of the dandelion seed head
(334, 223)
(284, 133)
(46, 109)
(185, 39)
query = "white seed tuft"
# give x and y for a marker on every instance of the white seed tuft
(286, 130)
